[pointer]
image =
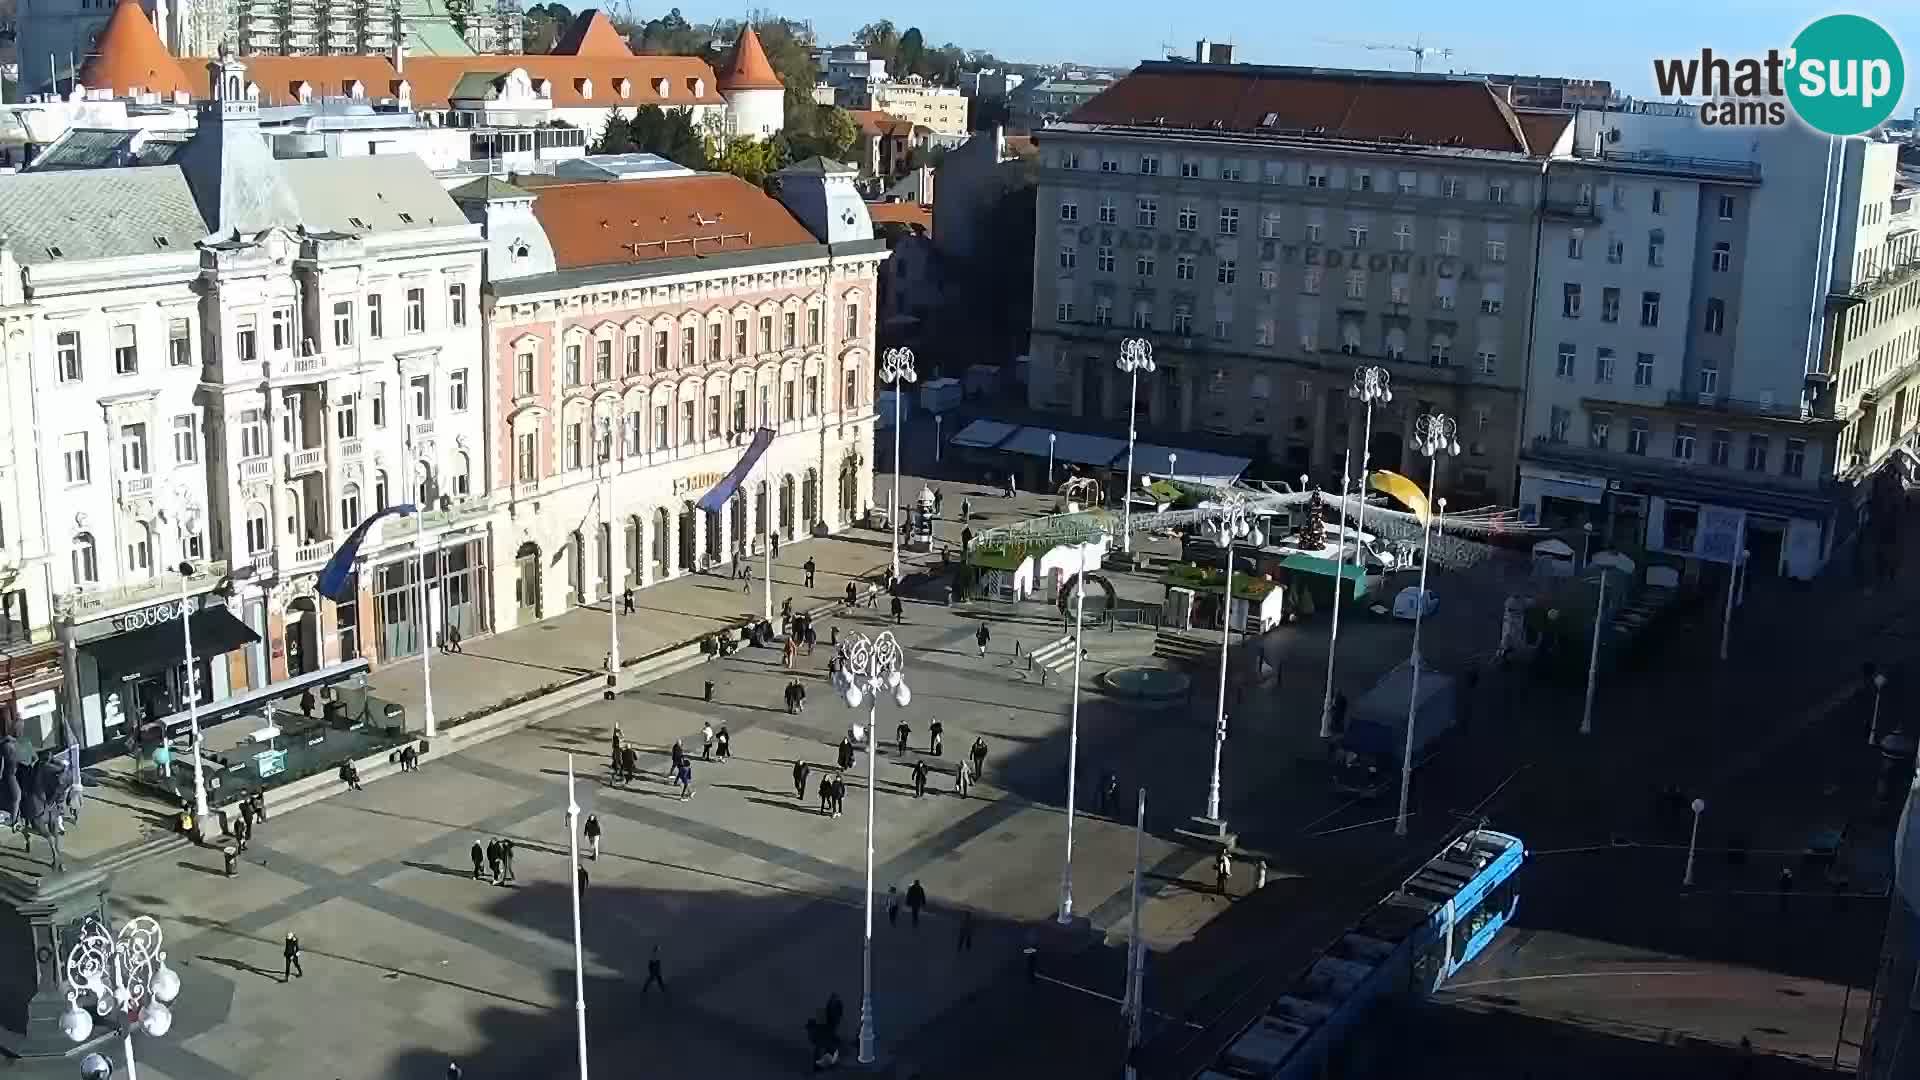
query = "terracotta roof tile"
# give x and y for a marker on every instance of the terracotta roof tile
(591, 34)
(613, 222)
(905, 213)
(1542, 129)
(1429, 111)
(432, 79)
(871, 121)
(130, 56)
(749, 69)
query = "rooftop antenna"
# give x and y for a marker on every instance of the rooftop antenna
(1419, 49)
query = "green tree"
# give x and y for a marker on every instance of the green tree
(654, 130)
(910, 55)
(749, 159)
(880, 40)
(616, 137)
(672, 35)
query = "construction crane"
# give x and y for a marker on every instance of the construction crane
(1419, 49)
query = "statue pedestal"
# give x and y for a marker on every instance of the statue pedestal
(37, 924)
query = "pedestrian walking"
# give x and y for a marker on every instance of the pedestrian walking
(936, 738)
(775, 538)
(506, 856)
(826, 795)
(810, 568)
(799, 696)
(919, 779)
(351, 776)
(453, 640)
(839, 795)
(306, 704)
(916, 899)
(259, 807)
(966, 510)
(591, 830)
(479, 860)
(979, 757)
(706, 741)
(453, 1070)
(243, 832)
(686, 780)
(899, 611)
(939, 498)
(677, 754)
(626, 600)
(654, 977)
(786, 654)
(1260, 875)
(852, 597)
(981, 637)
(583, 881)
(723, 743)
(746, 577)
(964, 941)
(1222, 870)
(962, 779)
(846, 752)
(901, 733)
(800, 771)
(291, 953)
(893, 905)
(812, 635)
(493, 860)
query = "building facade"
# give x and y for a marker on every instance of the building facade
(1268, 250)
(940, 109)
(633, 368)
(1726, 339)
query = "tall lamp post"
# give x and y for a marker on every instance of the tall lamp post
(1433, 435)
(1340, 573)
(125, 972)
(1693, 841)
(1233, 524)
(1073, 731)
(1052, 438)
(1372, 385)
(1593, 655)
(1873, 723)
(187, 521)
(896, 370)
(872, 666)
(573, 885)
(1136, 356)
(936, 438)
(426, 618)
(607, 520)
(1733, 588)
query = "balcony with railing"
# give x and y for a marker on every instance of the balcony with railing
(1763, 408)
(136, 487)
(419, 431)
(90, 604)
(258, 468)
(310, 361)
(1579, 211)
(1720, 169)
(313, 459)
(310, 555)
(350, 448)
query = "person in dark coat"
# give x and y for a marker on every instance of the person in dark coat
(981, 637)
(919, 779)
(723, 743)
(810, 568)
(839, 795)
(479, 860)
(916, 899)
(583, 881)
(306, 704)
(936, 738)
(493, 860)
(291, 953)
(901, 733)
(826, 794)
(846, 753)
(979, 757)
(800, 771)
(899, 611)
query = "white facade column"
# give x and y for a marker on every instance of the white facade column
(643, 530)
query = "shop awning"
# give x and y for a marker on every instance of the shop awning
(1068, 447)
(982, 434)
(153, 648)
(1202, 466)
(1307, 564)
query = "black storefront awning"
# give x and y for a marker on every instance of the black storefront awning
(155, 648)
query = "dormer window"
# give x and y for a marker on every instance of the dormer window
(253, 92)
(543, 88)
(403, 90)
(662, 87)
(585, 88)
(357, 90)
(623, 87)
(699, 88)
(304, 92)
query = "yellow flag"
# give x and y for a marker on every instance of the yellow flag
(1403, 489)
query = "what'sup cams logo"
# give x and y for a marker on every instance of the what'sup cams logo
(1843, 75)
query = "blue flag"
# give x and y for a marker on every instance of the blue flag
(338, 572)
(716, 500)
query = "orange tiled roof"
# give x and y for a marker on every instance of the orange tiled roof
(871, 121)
(905, 213)
(433, 78)
(130, 56)
(615, 222)
(1434, 111)
(1542, 129)
(749, 68)
(591, 34)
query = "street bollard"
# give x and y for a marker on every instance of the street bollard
(231, 857)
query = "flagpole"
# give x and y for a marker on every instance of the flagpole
(426, 620)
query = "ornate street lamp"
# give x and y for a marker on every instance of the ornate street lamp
(125, 973)
(1136, 356)
(896, 370)
(870, 667)
(1433, 435)
(1233, 524)
(1372, 385)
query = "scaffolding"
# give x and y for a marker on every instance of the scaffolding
(354, 27)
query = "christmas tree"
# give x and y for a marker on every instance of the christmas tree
(1313, 535)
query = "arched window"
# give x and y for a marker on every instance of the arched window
(350, 506)
(257, 537)
(462, 474)
(380, 489)
(86, 560)
(423, 484)
(291, 497)
(140, 552)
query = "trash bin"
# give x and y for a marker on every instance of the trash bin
(231, 857)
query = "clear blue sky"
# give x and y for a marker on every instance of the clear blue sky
(1616, 40)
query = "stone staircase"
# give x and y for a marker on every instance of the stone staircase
(1185, 649)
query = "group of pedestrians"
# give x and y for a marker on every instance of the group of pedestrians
(497, 857)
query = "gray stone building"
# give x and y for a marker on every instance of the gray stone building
(1270, 229)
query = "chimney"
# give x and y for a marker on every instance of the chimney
(399, 44)
(1200, 51)
(1220, 52)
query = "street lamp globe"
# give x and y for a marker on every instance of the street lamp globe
(901, 695)
(166, 982)
(156, 1019)
(1879, 681)
(1699, 806)
(76, 1023)
(854, 697)
(96, 1067)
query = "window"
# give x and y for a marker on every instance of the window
(739, 337)
(574, 371)
(1362, 180)
(1143, 264)
(421, 387)
(1722, 257)
(1486, 360)
(1649, 309)
(790, 330)
(1146, 213)
(1492, 300)
(1270, 225)
(457, 391)
(1637, 436)
(1229, 220)
(1311, 231)
(1316, 176)
(1109, 165)
(376, 318)
(1269, 280)
(1576, 243)
(1599, 427)
(713, 416)
(1356, 284)
(813, 395)
(1609, 305)
(1403, 236)
(1230, 170)
(74, 459)
(526, 455)
(1310, 281)
(1103, 311)
(1603, 365)
(1570, 301)
(1104, 257)
(1657, 248)
(687, 433)
(1716, 318)
(853, 318)
(603, 360)
(1224, 273)
(1357, 236)
(1109, 214)
(686, 346)
(1187, 220)
(813, 327)
(1069, 211)
(379, 396)
(416, 311)
(1069, 258)
(346, 419)
(349, 506)
(660, 360)
(1440, 352)
(714, 342)
(179, 343)
(1643, 369)
(1726, 208)
(1223, 328)
(1659, 201)
(1683, 437)
(660, 431)
(1757, 452)
(186, 439)
(126, 356)
(1563, 366)
(380, 488)
(246, 346)
(1496, 251)
(462, 484)
(253, 433)
(1183, 320)
(523, 375)
(1070, 159)
(1407, 183)
(1450, 187)
(740, 410)
(1149, 165)
(1183, 267)
(256, 529)
(1616, 250)
(1189, 168)
(342, 324)
(1720, 448)
(850, 392)
(1557, 421)
(86, 561)
(576, 445)
(1794, 461)
(457, 304)
(1498, 191)
(1448, 242)
(133, 449)
(282, 329)
(1263, 332)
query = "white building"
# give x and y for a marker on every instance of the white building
(940, 109)
(1725, 338)
(637, 361)
(232, 360)
(989, 83)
